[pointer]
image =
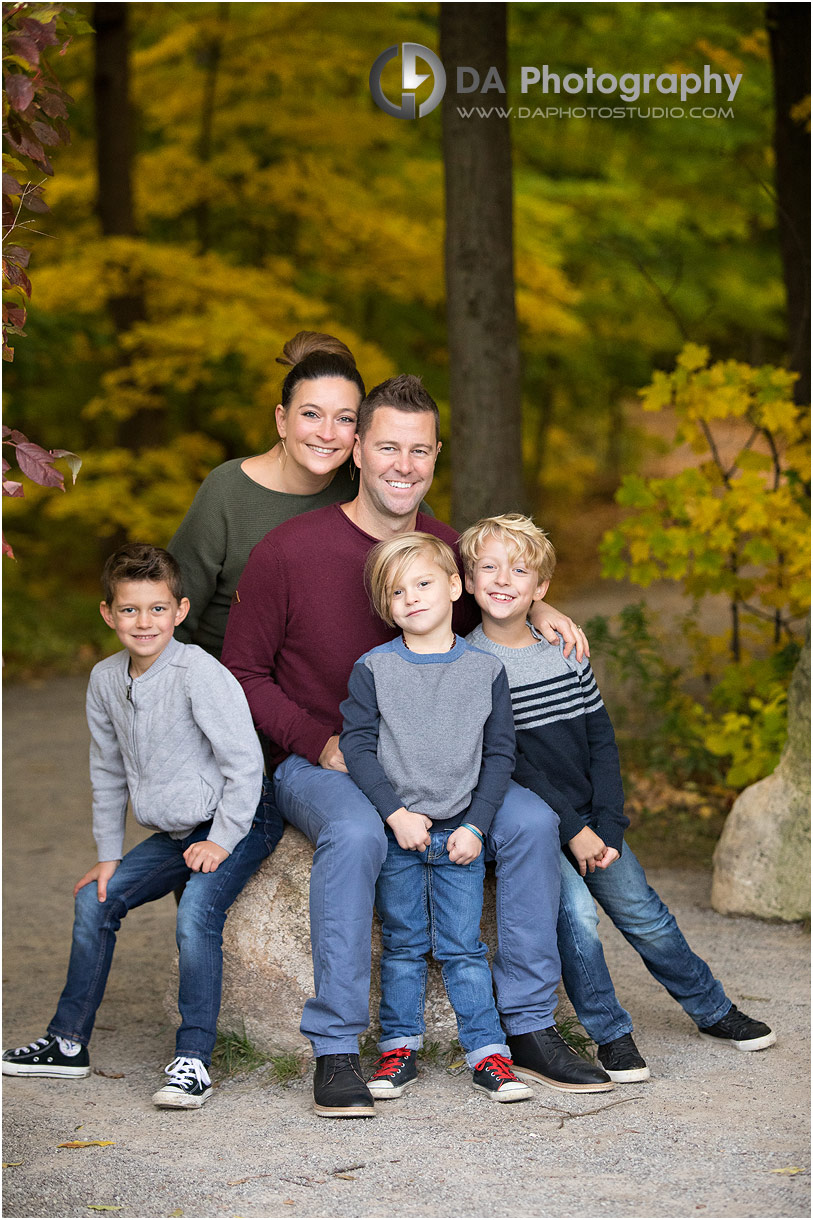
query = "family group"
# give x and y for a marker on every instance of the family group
(315, 647)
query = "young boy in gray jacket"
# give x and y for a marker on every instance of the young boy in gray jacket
(170, 731)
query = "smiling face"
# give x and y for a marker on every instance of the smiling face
(504, 588)
(421, 603)
(320, 423)
(144, 614)
(396, 459)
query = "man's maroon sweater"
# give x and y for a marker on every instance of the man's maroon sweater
(299, 621)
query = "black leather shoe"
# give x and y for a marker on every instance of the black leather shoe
(339, 1090)
(543, 1055)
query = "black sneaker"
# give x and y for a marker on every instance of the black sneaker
(544, 1056)
(188, 1085)
(622, 1061)
(493, 1076)
(339, 1089)
(738, 1030)
(395, 1071)
(48, 1057)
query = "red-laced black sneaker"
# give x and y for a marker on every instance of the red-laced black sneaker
(395, 1071)
(493, 1076)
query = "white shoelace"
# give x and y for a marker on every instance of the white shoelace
(182, 1071)
(37, 1045)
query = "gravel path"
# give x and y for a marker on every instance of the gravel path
(714, 1133)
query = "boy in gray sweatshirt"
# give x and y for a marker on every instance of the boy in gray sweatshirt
(428, 738)
(170, 731)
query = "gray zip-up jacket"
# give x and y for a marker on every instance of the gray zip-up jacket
(179, 741)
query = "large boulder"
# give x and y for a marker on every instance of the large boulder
(762, 861)
(267, 970)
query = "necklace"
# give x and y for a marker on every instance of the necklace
(449, 649)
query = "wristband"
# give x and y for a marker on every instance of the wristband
(474, 831)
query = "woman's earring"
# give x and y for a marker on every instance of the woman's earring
(283, 457)
(352, 470)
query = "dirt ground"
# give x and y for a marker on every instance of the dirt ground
(714, 1133)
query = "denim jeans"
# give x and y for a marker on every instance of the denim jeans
(351, 846)
(651, 929)
(427, 903)
(153, 868)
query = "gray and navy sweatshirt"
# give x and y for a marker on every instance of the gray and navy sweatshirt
(566, 751)
(431, 732)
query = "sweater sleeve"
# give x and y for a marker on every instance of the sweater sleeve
(605, 775)
(254, 636)
(498, 757)
(220, 711)
(108, 780)
(199, 545)
(530, 775)
(359, 741)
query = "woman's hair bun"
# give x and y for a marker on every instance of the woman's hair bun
(306, 342)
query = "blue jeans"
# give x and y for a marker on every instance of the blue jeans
(351, 846)
(651, 929)
(427, 903)
(153, 868)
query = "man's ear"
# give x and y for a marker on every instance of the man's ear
(357, 450)
(182, 611)
(104, 610)
(541, 590)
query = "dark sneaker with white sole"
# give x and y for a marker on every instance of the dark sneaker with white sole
(339, 1089)
(739, 1031)
(395, 1071)
(188, 1085)
(48, 1057)
(493, 1076)
(622, 1061)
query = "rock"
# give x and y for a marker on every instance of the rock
(267, 970)
(762, 861)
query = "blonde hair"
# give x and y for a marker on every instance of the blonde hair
(388, 561)
(522, 540)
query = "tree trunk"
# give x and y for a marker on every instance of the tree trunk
(483, 346)
(789, 30)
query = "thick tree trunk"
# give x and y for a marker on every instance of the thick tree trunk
(483, 346)
(789, 30)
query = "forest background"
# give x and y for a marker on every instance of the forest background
(239, 184)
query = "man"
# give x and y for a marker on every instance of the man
(299, 620)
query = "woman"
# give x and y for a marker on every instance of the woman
(310, 466)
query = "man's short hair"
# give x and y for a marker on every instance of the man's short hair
(404, 393)
(388, 561)
(521, 538)
(141, 561)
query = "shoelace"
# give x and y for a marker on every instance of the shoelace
(390, 1063)
(737, 1022)
(183, 1072)
(37, 1045)
(498, 1065)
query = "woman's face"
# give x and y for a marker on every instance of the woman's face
(320, 423)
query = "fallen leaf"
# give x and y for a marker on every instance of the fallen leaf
(87, 1144)
(289, 1202)
(790, 1169)
(348, 1177)
(178, 1212)
(104, 1207)
(109, 1075)
(11, 1164)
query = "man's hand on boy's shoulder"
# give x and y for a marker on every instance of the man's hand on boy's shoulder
(205, 856)
(551, 624)
(101, 874)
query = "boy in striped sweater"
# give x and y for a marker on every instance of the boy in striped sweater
(566, 753)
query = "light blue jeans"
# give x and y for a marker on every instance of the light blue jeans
(153, 868)
(428, 904)
(637, 911)
(351, 847)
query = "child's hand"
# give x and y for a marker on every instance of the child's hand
(606, 860)
(589, 850)
(463, 846)
(410, 829)
(205, 856)
(101, 874)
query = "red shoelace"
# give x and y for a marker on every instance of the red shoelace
(498, 1065)
(390, 1062)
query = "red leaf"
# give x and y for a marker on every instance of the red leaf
(11, 186)
(37, 464)
(20, 255)
(46, 134)
(13, 315)
(7, 549)
(10, 488)
(33, 201)
(26, 48)
(53, 104)
(16, 275)
(42, 33)
(12, 435)
(19, 90)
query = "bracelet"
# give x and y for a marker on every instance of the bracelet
(474, 831)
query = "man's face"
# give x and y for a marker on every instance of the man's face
(397, 461)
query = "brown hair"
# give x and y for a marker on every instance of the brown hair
(521, 537)
(311, 355)
(388, 561)
(405, 393)
(141, 561)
